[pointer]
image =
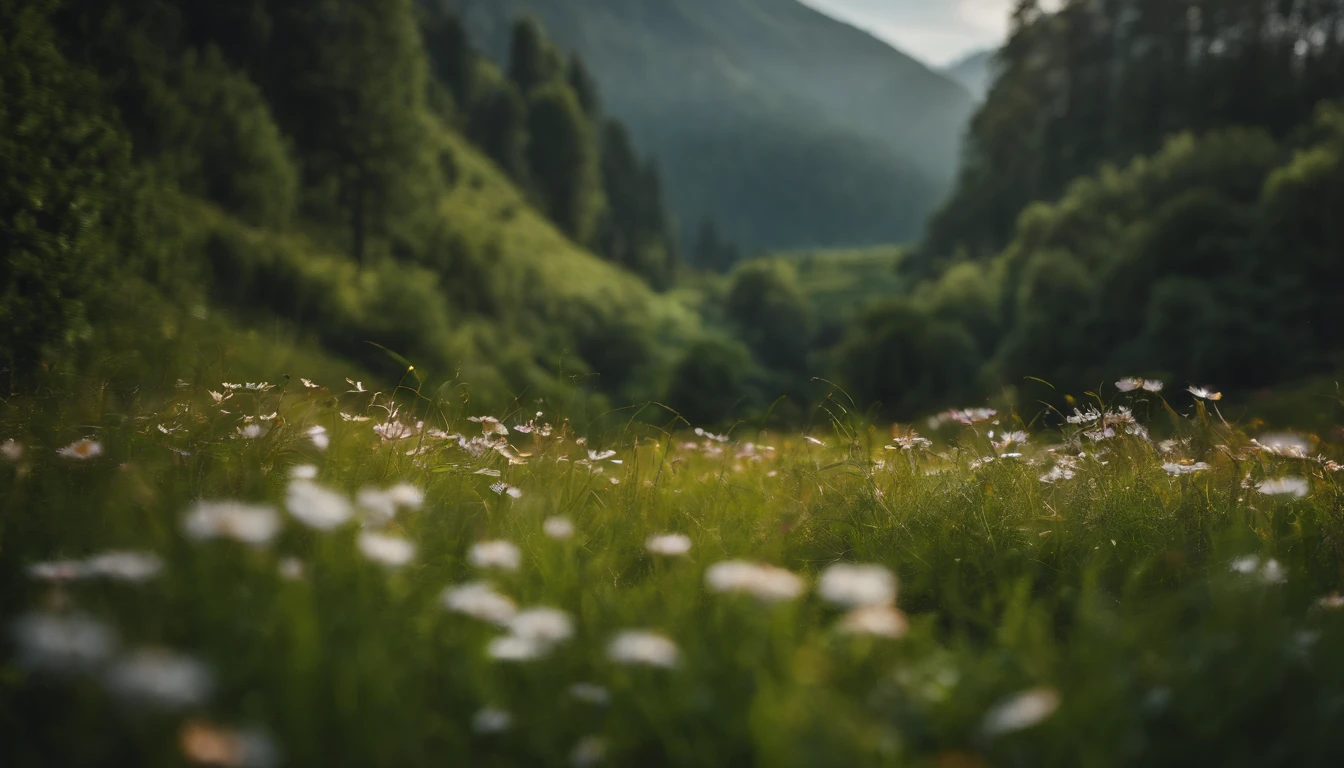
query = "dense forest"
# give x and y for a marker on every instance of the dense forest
(1149, 187)
(323, 163)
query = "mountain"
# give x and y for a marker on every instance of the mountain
(974, 72)
(788, 128)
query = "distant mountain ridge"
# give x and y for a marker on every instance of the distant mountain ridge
(974, 71)
(787, 127)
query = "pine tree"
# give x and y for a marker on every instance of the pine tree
(453, 60)
(562, 160)
(585, 87)
(349, 85)
(533, 60)
(499, 127)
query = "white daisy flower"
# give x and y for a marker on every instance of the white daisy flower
(1284, 486)
(317, 507)
(501, 554)
(160, 678)
(12, 450)
(62, 643)
(491, 720)
(1204, 393)
(1284, 444)
(875, 620)
(125, 566)
(351, 417)
(405, 495)
(253, 524)
(1021, 711)
(558, 527)
(303, 472)
(596, 456)
(669, 544)
(82, 450)
(854, 586)
(392, 551)
(490, 425)
(377, 505)
(251, 431)
(308, 384)
(479, 600)
(589, 693)
(642, 647)
(765, 582)
(319, 437)
(545, 625)
(515, 648)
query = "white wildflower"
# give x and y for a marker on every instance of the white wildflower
(589, 693)
(317, 507)
(515, 648)
(12, 450)
(669, 544)
(1246, 564)
(487, 472)
(1129, 385)
(814, 441)
(1273, 572)
(1084, 417)
(1204, 393)
(590, 751)
(1331, 602)
(308, 384)
(62, 644)
(490, 425)
(253, 524)
(395, 430)
(358, 385)
(351, 417)
(1057, 473)
(853, 586)
(81, 450)
(319, 437)
(1284, 486)
(506, 489)
(1176, 470)
(219, 397)
(501, 554)
(491, 720)
(765, 582)
(642, 647)
(1022, 711)
(251, 431)
(377, 505)
(125, 566)
(160, 678)
(392, 551)
(875, 620)
(58, 570)
(405, 495)
(1284, 444)
(544, 625)
(600, 455)
(291, 568)
(558, 527)
(479, 600)
(303, 472)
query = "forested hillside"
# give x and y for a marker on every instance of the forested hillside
(308, 163)
(975, 72)
(783, 126)
(1151, 186)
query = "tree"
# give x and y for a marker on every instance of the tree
(499, 127)
(65, 164)
(771, 314)
(533, 60)
(348, 82)
(585, 87)
(711, 251)
(562, 160)
(452, 59)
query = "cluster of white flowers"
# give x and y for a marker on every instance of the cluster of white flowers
(254, 524)
(639, 647)
(479, 600)
(501, 554)
(767, 583)
(669, 544)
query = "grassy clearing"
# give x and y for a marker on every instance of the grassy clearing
(1088, 602)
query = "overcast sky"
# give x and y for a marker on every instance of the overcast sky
(935, 31)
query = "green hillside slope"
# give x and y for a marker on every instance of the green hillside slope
(790, 128)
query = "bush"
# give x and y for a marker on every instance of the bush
(710, 382)
(771, 314)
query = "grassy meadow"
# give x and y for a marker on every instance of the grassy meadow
(312, 573)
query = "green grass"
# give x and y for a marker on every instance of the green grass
(842, 282)
(1111, 590)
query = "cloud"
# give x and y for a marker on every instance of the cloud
(936, 31)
